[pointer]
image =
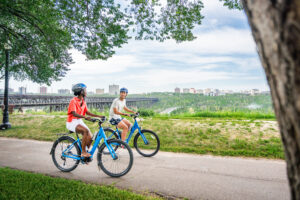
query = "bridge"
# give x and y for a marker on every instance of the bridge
(58, 103)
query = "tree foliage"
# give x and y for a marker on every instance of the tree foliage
(42, 32)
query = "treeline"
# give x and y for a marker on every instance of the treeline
(193, 103)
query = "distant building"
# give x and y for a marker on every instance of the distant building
(91, 92)
(192, 90)
(10, 90)
(207, 92)
(63, 91)
(2, 91)
(114, 89)
(186, 90)
(228, 91)
(216, 92)
(43, 90)
(177, 90)
(247, 92)
(199, 91)
(254, 92)
(99, 91)
(22, 90)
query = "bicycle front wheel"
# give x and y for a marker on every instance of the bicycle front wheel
(116, 163)
(146, 143)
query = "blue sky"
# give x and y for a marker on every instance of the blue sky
(223, 56)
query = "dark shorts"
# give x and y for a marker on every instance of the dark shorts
(115, 121)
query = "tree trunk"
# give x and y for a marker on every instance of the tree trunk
(275, 27)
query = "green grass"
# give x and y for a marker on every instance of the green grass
(16, 184)
(216, 136)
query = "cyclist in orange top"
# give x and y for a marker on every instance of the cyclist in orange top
(76, 111)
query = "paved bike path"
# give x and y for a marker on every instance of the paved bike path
(170, 174)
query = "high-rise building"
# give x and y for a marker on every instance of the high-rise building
(186, 90)
(114, 89)
(192, 90)
(177, 90)
(22, 90)
(43, 90)
(99, 91)
(199, 91)
(216, 92)
(63, 91)
(10, 90)
(254, 91)
(207, 91)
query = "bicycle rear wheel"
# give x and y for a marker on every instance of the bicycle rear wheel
(116, 163)
(64, 146)
(148, 144)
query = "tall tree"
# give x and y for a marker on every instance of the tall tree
(276, 30)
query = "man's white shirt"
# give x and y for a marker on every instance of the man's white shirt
(117, 103)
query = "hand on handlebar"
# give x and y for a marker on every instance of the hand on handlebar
(87, 118)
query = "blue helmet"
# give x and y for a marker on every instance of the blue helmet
(124, 90)
(77, 88)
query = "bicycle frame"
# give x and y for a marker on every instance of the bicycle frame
(134, 127)
(100, 135)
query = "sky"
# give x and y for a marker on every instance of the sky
(223, 56)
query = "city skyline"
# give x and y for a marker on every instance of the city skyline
(113, 90)
(223, 56)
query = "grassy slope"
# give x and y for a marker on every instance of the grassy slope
(217, 136)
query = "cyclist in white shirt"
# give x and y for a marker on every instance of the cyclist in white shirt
(116, 110)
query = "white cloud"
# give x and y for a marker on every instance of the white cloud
(117, 63)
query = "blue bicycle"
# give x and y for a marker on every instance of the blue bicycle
(114, 161)
(145, 141)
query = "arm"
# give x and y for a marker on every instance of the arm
(119, 113)
(128, 110)
(75, 114)
(93, 115)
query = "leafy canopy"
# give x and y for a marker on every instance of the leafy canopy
(42, 32)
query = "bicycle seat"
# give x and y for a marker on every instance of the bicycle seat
(71, 132)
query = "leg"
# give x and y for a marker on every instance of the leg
(129, 125)
(123, 126)
(86, 139)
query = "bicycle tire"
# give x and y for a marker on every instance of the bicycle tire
(127, 150)
(53, 152)
(138, 147)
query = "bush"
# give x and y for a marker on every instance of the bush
(146, 112)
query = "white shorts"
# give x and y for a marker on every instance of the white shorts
(75, 122)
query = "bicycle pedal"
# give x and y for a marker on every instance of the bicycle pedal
(87, 159)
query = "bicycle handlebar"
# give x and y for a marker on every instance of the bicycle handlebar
(103, 119)
(135, 115)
